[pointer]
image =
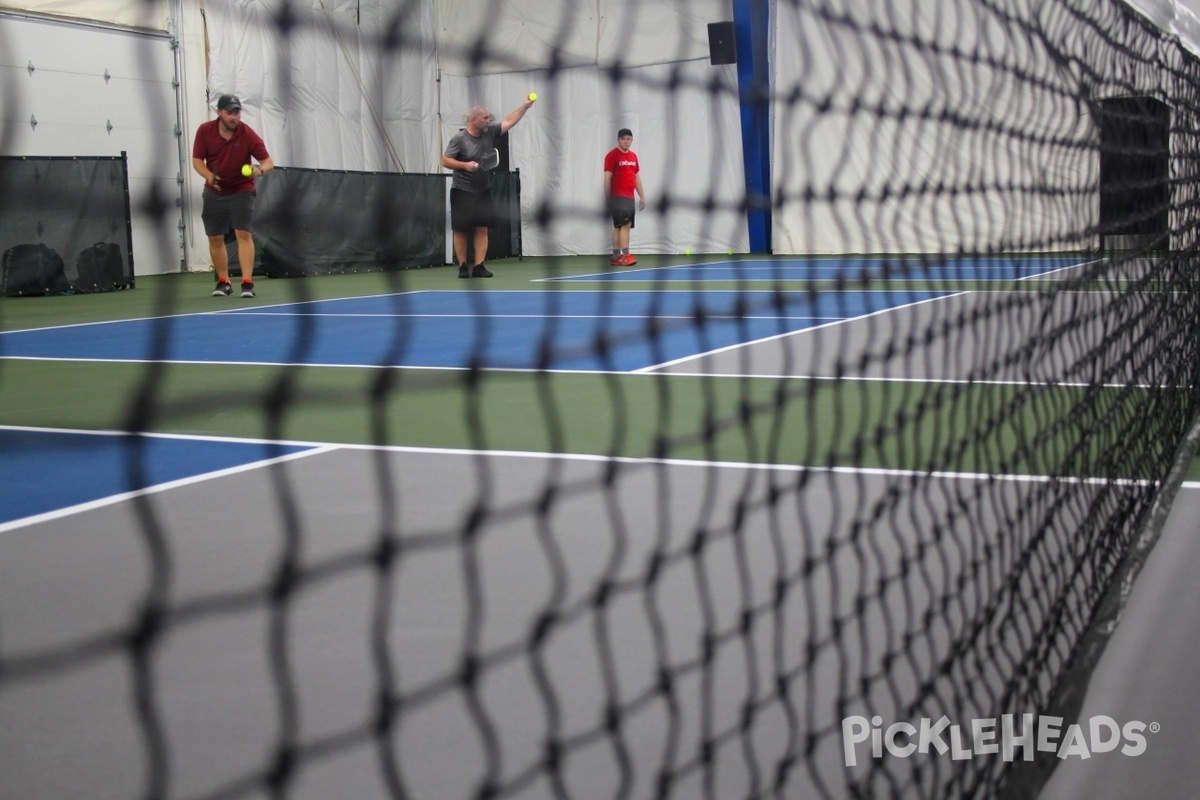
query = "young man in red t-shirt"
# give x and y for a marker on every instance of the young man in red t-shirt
(622, 177)
(222, 147)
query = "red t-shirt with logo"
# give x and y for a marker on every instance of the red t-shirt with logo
(624, 169)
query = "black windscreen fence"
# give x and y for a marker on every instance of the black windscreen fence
(319, 222)
(504, 240)
(65, 224)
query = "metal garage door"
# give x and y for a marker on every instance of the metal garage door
(78, 88)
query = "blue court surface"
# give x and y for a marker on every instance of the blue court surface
(567, 330)
(45, 471)
(971, 268)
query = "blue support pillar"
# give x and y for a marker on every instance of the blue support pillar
(750, 24)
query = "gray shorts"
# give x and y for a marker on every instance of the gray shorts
(623, 211)
(225, 212)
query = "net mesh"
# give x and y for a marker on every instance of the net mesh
(914, 517)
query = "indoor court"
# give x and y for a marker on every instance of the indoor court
(875, 476)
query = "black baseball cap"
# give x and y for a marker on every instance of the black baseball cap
(229, 102)
(624, 132)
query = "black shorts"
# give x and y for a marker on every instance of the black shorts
(225, 212)
(623, 211)
(471, 210)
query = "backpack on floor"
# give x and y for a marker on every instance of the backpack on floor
(100, 268)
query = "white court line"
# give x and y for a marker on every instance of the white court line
(945, 296)
(327, 447)
(623, 271)
(807, 266)
(950, 270)
(295, 364)
(935, 381)
(114, 322)
(532, 370)
(92, 505)
(777, 336)
(1061, 269)
(707, 316)
(206, 313)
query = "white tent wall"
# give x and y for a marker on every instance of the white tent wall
(688, 142)
(344, 104)
(326, 95)
(525, 35)
(997, 150)
(683, 111)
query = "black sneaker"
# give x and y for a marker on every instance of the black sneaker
(224, 289)
(480, 271)
(247, 289)
(463, 272)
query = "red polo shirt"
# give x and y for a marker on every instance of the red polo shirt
(225, 157)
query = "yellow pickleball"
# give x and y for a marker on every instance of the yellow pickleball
(247, 170)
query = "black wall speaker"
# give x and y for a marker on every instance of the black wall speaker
(721, 46)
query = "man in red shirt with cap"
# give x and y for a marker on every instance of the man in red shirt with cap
(222, 148)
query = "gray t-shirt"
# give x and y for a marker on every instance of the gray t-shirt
(465, 147)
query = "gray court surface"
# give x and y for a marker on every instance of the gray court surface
(234, 676)
(1148, 674)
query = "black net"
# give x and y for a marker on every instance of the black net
(628, 573)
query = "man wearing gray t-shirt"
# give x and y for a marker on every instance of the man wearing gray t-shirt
(472, 210)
